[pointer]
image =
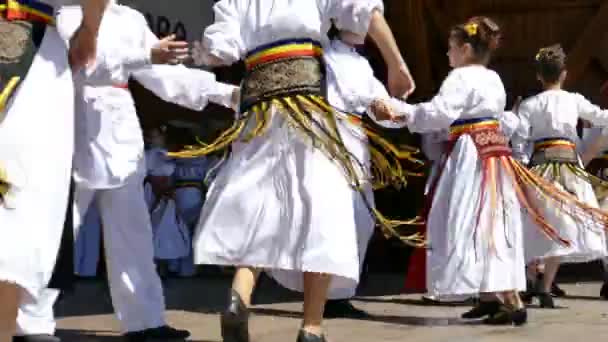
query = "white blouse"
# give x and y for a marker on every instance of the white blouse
(468, 92)
(553, 114)
(242, 25)
(124, 46)
(347, 90)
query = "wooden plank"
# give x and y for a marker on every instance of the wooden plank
(533, 6)
(582, 53)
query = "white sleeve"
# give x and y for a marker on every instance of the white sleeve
(112, 65)
(509, 122)
(445, 108)
(591, 112)
(520, 141)
(351, 15)
(191, 88)
(223, 38)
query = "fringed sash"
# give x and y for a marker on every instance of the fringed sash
(286, 78)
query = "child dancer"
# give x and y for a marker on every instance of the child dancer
(171, 238)
(474, 224)
(549, 119)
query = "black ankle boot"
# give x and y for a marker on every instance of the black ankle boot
(304, 336)
(546, 300)
(235, 320)
(507, 316)
(482, 309)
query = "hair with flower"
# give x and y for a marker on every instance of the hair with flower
(550, 62)
(482, 33)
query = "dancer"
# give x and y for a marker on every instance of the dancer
(549, 119)
(34, 186)
(350, 93)
(109, 165)
(475, 224)
(283, 199)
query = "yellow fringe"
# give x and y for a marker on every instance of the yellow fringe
(323, 132)
(7, 91)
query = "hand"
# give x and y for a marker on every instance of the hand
(169, 51)
(384, 112)
(400, 81)
(83, 48)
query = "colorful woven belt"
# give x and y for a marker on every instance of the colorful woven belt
(464, 126)
(27, 10)
(545, 143)
(283, 49)
(188, 184)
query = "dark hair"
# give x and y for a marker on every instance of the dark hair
(550, 62)
(481, 32)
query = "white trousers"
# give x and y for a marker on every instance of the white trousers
(135, 287)
(36, 314)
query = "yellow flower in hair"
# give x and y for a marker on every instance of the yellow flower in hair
(540, 54)
(471, 29)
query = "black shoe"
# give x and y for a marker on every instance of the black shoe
(556, 291)
(482, 309)
(36, 338)
(604, 291)
(164, 333)
(235, 320)
(343, 308)
(304, 336)
(546, 300)
(506, 316)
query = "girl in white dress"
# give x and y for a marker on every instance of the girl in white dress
(549, 120)
(283, 199)
(475, 224)
(34, 186)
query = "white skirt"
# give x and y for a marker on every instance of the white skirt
(474, 250)
(36, 145)
(356, 143)
(280, 204)
(586, 243)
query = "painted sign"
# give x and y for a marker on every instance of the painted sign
(187, 19)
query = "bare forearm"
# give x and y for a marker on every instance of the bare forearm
(382, 35)
(92, 14)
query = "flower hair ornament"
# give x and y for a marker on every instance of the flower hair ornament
(540, 54)
(471, 29)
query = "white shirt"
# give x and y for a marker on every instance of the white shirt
(350, 91)
(553, 114)
(242, 25)
(109, 143)
(468, 92)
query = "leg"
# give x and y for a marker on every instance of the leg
(10, 295)
(135, 287)
(235, 320)
(551, 268)
(315, 295)
(36, 318)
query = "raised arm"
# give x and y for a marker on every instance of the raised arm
(400, 80)
(83, 45)
(439, 113)
(186, 87)
(365, 17)
(590, 112)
